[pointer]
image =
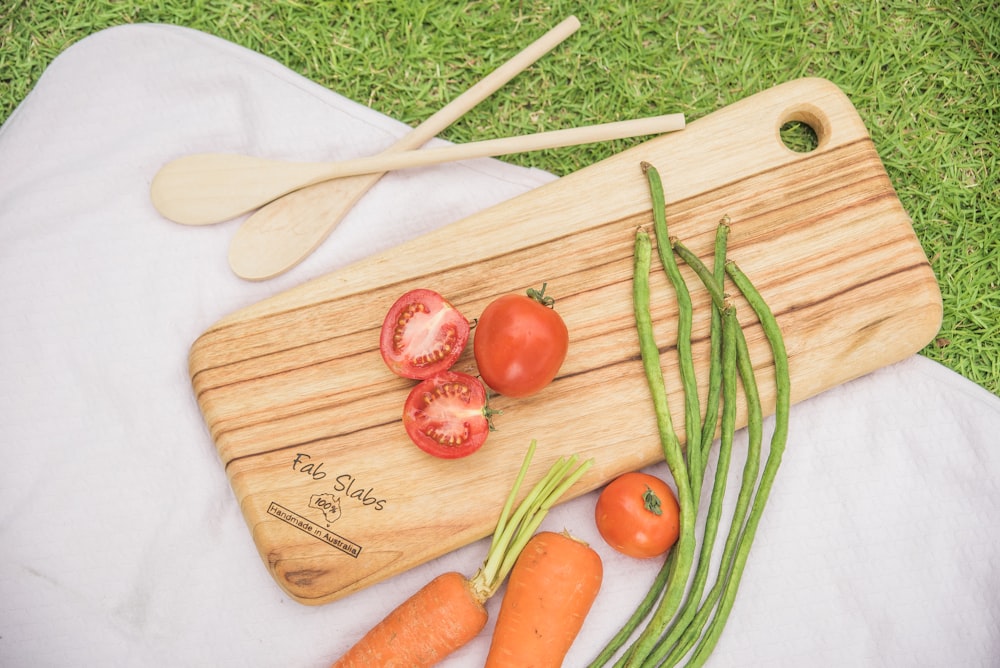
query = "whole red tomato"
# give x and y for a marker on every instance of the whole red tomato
(520, 342)
(422, 334)
(446, 415)
(638, 515)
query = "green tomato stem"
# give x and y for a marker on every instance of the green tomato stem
(651, 502)
(540, 296)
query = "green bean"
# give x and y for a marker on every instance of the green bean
(719, 370)
(751, 468)
(659, 584)
(691, 606)
(675, 631)
(779, 438)
(734, 344)
(709, 421)
(650, 354)
(682, 561)
(685, 358)
(713, 286)
(641, 612)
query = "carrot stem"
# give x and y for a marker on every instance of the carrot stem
(514, 529)
(512, 496)
(540, 507)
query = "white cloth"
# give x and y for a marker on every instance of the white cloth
(120, 540)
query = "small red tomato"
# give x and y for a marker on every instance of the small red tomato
(638, 515)
(422, 334)
(446, 415)
(520, 343)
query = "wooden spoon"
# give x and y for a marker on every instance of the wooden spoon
(211, 187)
(318, 208)
(285, 231)
(181, 187)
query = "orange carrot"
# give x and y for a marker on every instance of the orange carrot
(551, 589)
(441, 617)
(449, 611)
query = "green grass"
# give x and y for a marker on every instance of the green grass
(925, 77)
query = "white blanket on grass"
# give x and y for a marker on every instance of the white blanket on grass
(121, 543)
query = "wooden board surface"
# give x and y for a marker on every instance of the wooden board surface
(305, 415)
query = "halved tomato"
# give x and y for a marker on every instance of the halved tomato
(422, 334)
(446, 415)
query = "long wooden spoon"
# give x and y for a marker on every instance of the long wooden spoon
(211, 187)
(285, 231)
(317, 209)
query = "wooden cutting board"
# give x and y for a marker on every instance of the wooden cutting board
(307, 419)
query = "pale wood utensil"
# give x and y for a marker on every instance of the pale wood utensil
(183, 189)
(285, 231)
(206, 188)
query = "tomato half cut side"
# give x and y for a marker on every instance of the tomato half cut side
(446, 415)
(422, 334)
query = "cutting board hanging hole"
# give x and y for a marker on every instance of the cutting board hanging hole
(799, 136)
(804, 128)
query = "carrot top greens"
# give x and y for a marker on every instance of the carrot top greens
(516, 526)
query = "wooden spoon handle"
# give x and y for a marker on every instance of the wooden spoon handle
(538, 141)
(486, 86)
(210, 187)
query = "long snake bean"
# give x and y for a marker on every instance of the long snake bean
(685, 310)
(722, 368)
(692, 626)
(683, 559)
(779, 438)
